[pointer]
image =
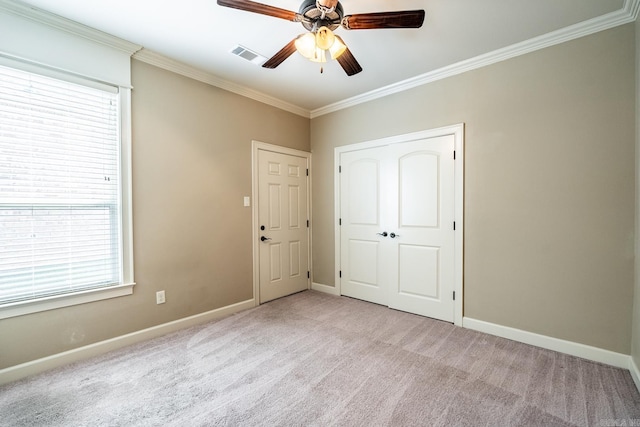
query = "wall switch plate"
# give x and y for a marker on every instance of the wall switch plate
(247, 201)
(160, 297)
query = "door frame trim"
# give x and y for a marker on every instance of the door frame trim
(257, 146)
(457, 131)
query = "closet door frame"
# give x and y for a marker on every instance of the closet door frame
(458, 133)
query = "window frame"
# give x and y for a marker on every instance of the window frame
(35, 305)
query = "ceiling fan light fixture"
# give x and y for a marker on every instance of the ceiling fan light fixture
(317, 55)
(306, 45)
(314, 46)
(325, 38)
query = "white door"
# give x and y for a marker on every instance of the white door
(363, 251)
(421, 191)
(283, 222)
(397, 237)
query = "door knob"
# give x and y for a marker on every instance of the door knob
(383, 234)
(394, 235)
(264, 239)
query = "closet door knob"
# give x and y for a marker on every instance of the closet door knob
(383, 234)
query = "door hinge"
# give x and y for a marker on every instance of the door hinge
(307, 223)
(454, 154)
(454, 226)
(454, 295)
(339, 221)
(339, 169)
(307, 172)
(308, 275)
(340, 273)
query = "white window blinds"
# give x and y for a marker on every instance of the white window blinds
(60, 211)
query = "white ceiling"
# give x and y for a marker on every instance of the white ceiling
(200, 33)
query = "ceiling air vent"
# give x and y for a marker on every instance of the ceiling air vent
(248, 54)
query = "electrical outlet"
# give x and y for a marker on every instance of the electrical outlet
(160, 297)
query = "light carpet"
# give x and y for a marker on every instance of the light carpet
(313, 359)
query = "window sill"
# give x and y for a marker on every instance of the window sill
(59, 301)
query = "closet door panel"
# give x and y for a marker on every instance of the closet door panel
(362, 214)
(422, 225)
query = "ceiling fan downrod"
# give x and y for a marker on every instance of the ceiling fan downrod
(324, 10)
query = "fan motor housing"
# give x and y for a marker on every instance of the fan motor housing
(331, 20)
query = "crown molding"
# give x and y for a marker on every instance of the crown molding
(178, 67)
(34, 14)
(628, 13)
(632, 7)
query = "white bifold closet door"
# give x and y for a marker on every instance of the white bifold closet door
(397, 226)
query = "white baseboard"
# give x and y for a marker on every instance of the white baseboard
(325, 288)
(572, 348)
(23, 370)
(635, 372)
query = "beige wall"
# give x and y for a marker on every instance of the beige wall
(549, 184)
(192, 235)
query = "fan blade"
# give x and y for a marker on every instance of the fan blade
(400, 19)
(348, 63)
(263, 9)
(282, 54)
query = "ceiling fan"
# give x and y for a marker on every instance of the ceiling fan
(320, 18)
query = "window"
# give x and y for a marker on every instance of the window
(62, 198)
